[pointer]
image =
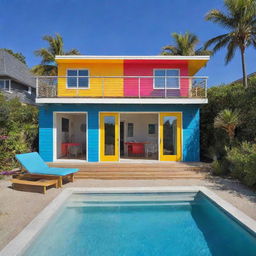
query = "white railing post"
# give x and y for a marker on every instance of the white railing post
(139, 86)
(165, 91)
(205, 88)
(102, 86)
(37, 93)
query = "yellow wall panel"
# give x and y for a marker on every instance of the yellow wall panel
(111, 87)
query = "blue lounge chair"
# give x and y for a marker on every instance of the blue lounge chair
(36, 167)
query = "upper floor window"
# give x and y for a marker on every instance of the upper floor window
(5, 84)
(78, 78)
(166, 78)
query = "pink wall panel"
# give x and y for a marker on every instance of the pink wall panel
(145, 68)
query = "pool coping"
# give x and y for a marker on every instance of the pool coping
(17, 246)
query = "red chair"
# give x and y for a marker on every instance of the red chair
(138, 149)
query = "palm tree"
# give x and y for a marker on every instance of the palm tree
(228, 120)
(184, 44)
(240, 21)
(48, 65)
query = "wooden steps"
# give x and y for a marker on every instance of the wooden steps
(114, 171)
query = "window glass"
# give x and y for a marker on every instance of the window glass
(163, 80)
(172, 82)
(151, 129)
(75, 81)
(83, 81)
(159, 78)
(2, 82)
(72, 81)
(109, 126)
(5, 85)
(170, 135)
(130, 130)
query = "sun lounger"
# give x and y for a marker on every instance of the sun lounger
(35, 166)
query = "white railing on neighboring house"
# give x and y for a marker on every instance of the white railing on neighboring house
(121, 87)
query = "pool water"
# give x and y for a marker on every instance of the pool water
(142, 224)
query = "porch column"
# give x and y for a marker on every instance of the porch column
(93, 136)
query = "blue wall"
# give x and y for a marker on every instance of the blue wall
(190, 138)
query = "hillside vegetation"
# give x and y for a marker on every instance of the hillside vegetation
(231, 156)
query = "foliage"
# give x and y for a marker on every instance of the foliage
(18, 131)
(227, 120)
(184, 44)
(17, 55)
(230, 105)
(48, 65)
(235, 98)
(242, 163)
(240, 21)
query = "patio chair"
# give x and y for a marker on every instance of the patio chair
(37, 168)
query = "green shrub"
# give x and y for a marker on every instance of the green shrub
(220, 167)
(243, 163)
(18, 131)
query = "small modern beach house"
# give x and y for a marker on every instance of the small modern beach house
(122, 108)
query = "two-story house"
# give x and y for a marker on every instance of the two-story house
(16, 80)
(122, 108)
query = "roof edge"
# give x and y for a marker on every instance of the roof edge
(120, 57)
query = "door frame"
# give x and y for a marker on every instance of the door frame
(178, 156)
(116, 157)
(54, 140)
(143, 112)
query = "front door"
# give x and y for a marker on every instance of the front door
(109, 136)
(170, 136)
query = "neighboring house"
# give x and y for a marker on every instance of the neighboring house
(122, 108)
(16, 80)
(240, 80)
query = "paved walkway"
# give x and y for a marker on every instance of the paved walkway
(18, 208)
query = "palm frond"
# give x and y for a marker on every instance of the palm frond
(231, 51)
(219, 17)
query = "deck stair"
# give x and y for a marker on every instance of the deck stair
(114, 171)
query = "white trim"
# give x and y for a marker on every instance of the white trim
(122, 100)
(21, 242)
(77, 76)
(54, 140)
(165, 77)
(108, 57)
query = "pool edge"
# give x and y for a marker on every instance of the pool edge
(17, 245)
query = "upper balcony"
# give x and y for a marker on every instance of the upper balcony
(170, 88)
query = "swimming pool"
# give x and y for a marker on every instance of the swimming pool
(179, 221)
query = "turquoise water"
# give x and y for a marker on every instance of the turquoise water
(125, 226)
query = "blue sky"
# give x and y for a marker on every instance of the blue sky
(115, 27)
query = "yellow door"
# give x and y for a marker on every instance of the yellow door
(170, 136)
(109, 136)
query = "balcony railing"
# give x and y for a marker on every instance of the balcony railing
(121, 87)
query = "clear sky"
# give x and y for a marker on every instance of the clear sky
(115, 27)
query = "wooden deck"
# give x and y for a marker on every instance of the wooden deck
(114, 171)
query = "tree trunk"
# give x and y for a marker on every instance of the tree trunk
(244, 68)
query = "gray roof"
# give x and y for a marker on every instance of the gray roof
(15, 69)
(241, 79)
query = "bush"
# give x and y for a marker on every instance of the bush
(243, 162)
(18, 131)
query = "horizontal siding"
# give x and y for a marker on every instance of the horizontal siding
(190, 133)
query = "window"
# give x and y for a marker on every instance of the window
(5, 85)
(65, 125)
(78, 78)
(152, 129)
(130, 130)
(166, 78)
